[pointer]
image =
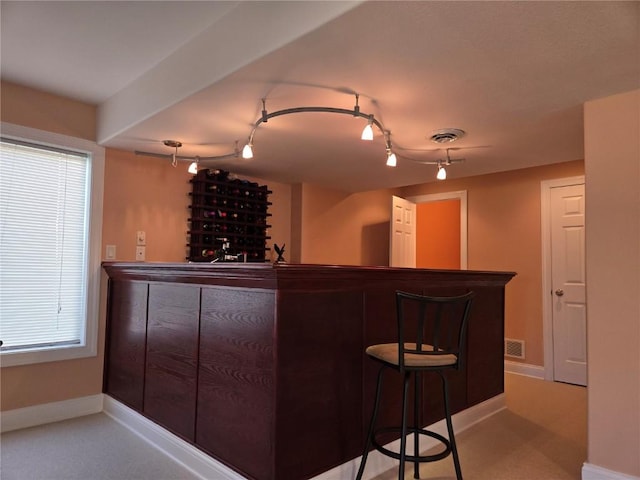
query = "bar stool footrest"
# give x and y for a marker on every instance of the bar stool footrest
(413, 458)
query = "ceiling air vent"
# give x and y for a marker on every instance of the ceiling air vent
(446, 135)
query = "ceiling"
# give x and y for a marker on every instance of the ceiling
(512, 75)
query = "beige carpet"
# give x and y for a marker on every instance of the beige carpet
(541, 436)
(93, 447)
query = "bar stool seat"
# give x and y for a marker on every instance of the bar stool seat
(437, 326)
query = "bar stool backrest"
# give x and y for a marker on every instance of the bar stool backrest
(432, 327)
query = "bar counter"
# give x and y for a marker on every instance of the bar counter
(262, 366)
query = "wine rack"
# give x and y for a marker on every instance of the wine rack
(228, 218)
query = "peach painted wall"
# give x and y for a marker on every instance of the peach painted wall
(144, 193)
(26, 385)
(36, 109)
(612, 163)
(340, 228)
(504, 234)
(438, 234)
(147, 193)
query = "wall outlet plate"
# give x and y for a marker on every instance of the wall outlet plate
(140, 253)
(110, 253)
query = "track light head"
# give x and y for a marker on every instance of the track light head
(193, 167)
(247, 151)
(367, 133)
(392, 161)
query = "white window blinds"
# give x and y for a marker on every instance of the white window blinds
(43, 246)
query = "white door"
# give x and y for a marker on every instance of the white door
(402, 237)
(568, 284)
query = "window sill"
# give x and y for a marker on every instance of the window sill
(13, 359)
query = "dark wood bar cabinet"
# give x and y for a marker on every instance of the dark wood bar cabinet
(262, 366)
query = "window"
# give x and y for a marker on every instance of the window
(50, 225)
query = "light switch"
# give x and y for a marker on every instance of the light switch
(111, 252)
(140, 253)
(141, 237)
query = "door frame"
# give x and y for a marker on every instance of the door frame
(547, 297)
(456, 195)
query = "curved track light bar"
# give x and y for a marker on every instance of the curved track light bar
(247, 151)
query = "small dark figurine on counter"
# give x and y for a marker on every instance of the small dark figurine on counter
(280, 252)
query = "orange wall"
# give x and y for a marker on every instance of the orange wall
(146, 193)
(503, 234)
(612, 162)
(36, 109)
(142, 193)
(344, 229)
(438, 234)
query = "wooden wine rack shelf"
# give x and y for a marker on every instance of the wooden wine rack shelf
(228, 218)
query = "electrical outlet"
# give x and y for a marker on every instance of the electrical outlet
(141, 237)
(140, 253)
(111, 252)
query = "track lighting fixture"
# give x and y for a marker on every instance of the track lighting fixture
(195, 161)
(193, 168)
(247, 150)
(174, 144)
(391, 157)
(367, 133)
(442, 163)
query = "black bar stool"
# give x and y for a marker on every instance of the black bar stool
(431, 338)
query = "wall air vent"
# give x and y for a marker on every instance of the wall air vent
(513, 348)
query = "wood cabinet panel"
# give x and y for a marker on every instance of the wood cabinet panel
(485, 373)
(235, 420)
(319, 397)
(126, 342)
(172, 357)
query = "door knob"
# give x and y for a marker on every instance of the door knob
(559, 292)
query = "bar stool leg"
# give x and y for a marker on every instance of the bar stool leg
(365, 452)
(452, 438)
(417, 403)
(403, 438)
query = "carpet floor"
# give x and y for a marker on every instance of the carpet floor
(540, 436)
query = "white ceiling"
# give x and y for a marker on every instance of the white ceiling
(513, 75)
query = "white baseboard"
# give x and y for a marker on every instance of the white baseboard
(49, 412)
(377, 463)
(526, 369)
(594, 472)
(199, 463)
(206, 467)
(203, 465)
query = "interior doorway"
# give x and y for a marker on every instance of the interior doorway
(441, 226)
